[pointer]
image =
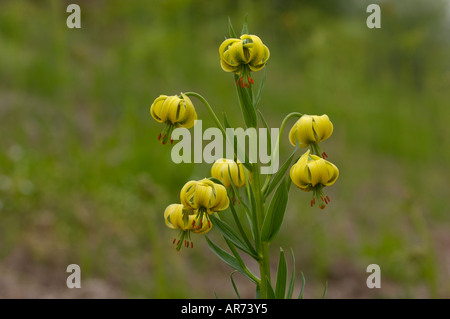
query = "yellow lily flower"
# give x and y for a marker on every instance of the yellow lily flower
(174, 111)
(312, 173)
(176, 216)
(220, 171)
(309, 130)
(205, 197)
(243, 55)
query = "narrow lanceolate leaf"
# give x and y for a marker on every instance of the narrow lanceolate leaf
(226, 123)
(248, 111)
(292, 280)
(300, 295)
(269, 290)
(230, 27)
(257, 99)
(325, 290)
(280, 287)
(234, 285)
(232, 236)
(269, 136)
(275, 214)
(278, 176)
(245, 26)
(226, 258)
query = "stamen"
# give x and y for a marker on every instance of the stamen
(159, 136)
(329, 200)
(324, 155)
(192, 244)
(174, 241)
(171, 140)
(251, 80)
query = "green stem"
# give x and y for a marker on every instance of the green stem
(211, 111)
(263, 248)
(216, 119)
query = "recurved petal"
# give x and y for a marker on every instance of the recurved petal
(221, 201)
(187, 193)
(155, 109)
(236, 51)
(305, 133)
(202, 196)
(318, 171)
(167, 213)
(323, 127)
(333, 173)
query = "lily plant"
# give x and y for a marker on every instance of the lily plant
(257, 203)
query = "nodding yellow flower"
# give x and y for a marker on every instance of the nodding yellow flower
(243, 55)
(205, 197)
(309, 130)
(176, 216)
(174, 111)
(220, 171)
(312, 173)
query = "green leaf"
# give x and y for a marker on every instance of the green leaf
(230, 27)
(226, 258)
(232, 236)
(226, 123)
(275, 214)
(241, 229)
(260, 89)
(300, 295)
(325, 290)
(269, 137)
(269, 290)
(234, 285)
(245, 26)
(292, 280)
(248, 111)
(280, 287)
(278, 176)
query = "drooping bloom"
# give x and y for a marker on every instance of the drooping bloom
(174, 111)
(243, 55)
(176, 216)
(313, 173)
(309, 130)
(223, 168)
(205, 197)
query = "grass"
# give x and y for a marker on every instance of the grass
(83, 179)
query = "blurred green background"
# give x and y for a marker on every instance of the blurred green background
(84, 180)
